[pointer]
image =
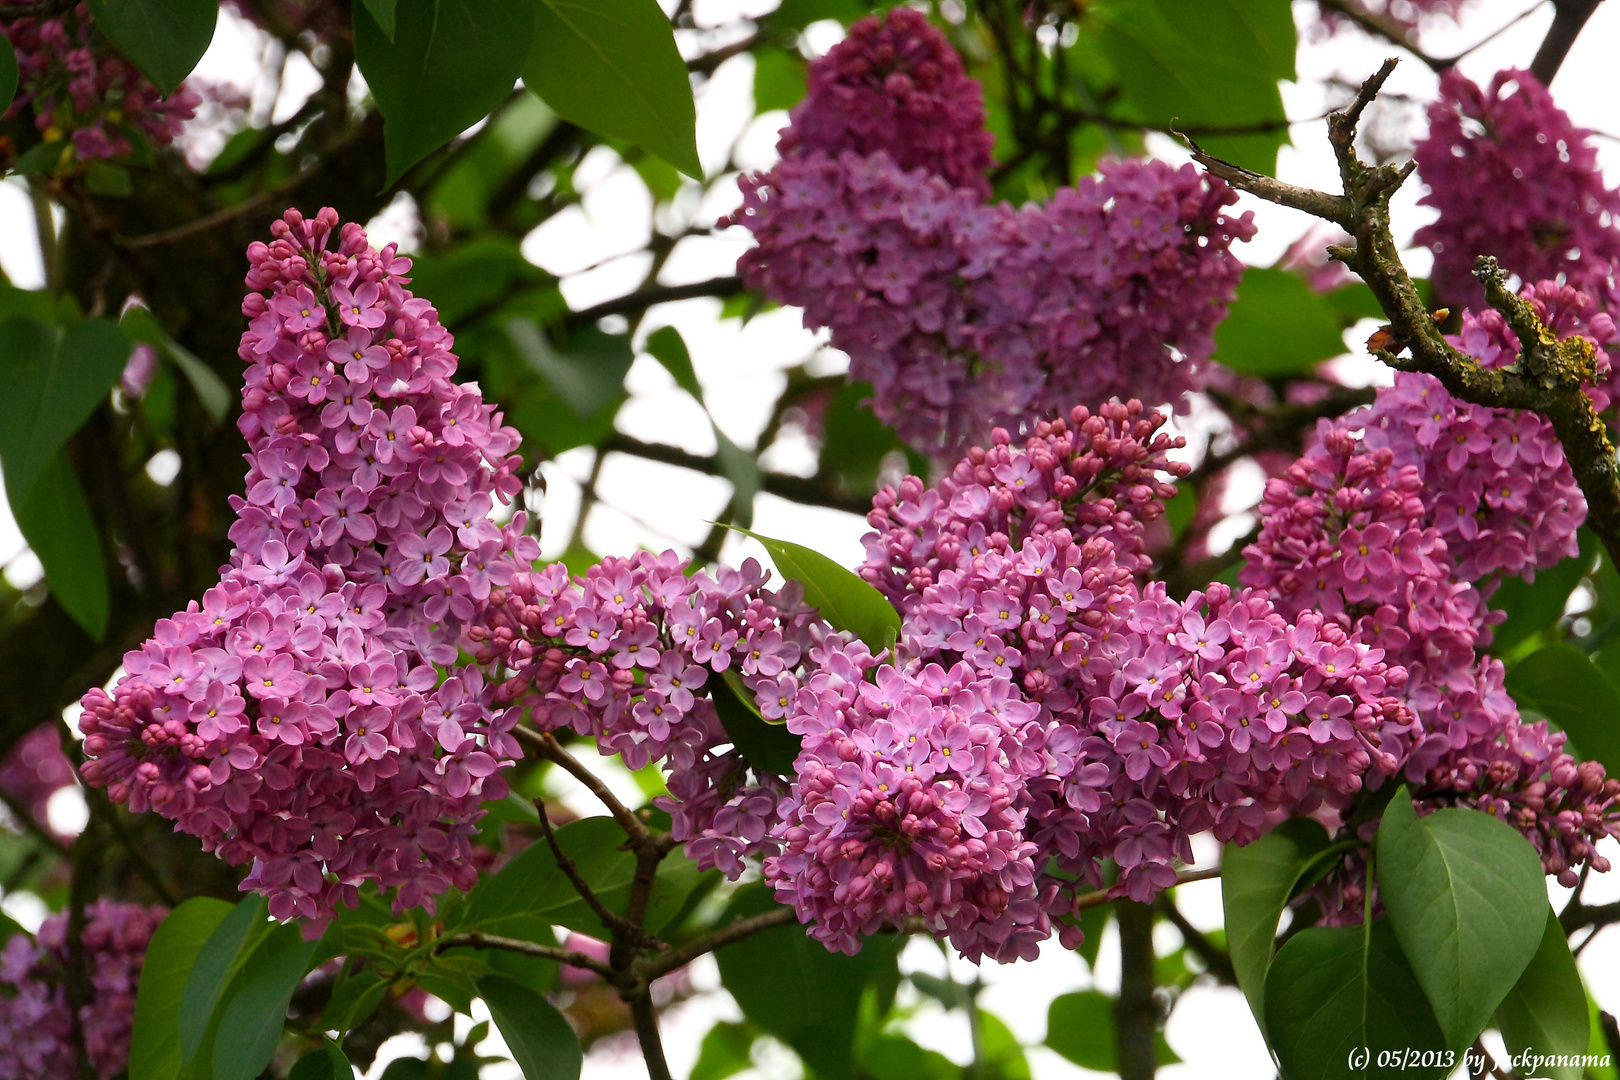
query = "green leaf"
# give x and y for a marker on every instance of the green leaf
(1467, 899)
(212, 394)
(668, 347)
(327, 1063)
(449, 63)
(107, 180)
(254, 1016)
(8, 73)
(778, 79)
(724, 1051)
(542, 1043)
(797, 14)
(1001, 1055)
(1256, 882)
(531, 893)
(1546, 1011)
(588, 373)
(473, 276)
(887, 1056)
(843, 597)
(768, 747)
(53, 381)
(795, 989)
(222, 957)
(354, 998)
(1202, 63)
(164, 38)
(1536, 606)
(741, 467)
(854, 442)
(57, 523)
(383, 12)
(1563, 684)
(1277, 326)
(1080, 1026)
(154, 1048)
(1336, 990)
(612, 66)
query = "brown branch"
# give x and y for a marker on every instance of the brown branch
(1103, 896)
(622, 926)
(654, 966)
(551, 750)
(1217, 961)
(476, 940)
(1548, 375)
(794, 488)
(226, 215)
(642, 299)
(1380, 26)
(652, 1046)
(1136, 1015)
(1569, 18)
(45, 9)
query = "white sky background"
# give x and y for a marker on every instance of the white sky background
(644, 504)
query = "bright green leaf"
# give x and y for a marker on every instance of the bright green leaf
(53, 382)
(779, 77)
(1532, 607)
(542, 1043)
(383, 12)
(164, 38)
(886, 1056)
(327, 1063)
(154, 1048)
(1335, 990)
(724, 1051)
(1277, 326)
(254, 1016)
(8, 73)
(56, 521)
(842, 597)
(793, 988)
(1546, 1012)
(235, 939)
(1467, 898)
(1563, 684)
(1257, 880)
(1001, 1055)
(1080, 1026)
(449, 64)
(768, 747)
(612, 66)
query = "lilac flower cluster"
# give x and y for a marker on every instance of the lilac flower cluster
(1511, 176)
(1397, 537)
(963, 314)
(629, 654)
(1139, 720)
(35, 770)
(36, 1021)
(307, 717)
(80, 92)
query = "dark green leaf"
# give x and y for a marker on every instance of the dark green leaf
(1335, 990)
(251, 1025)
(1536, 606)
(842, 597)
(742, 469)
(797, 14)
(1277, 326)
(53, 381)
(327, 1063)
(1180, 511)
(668, 347)
(795, 989)
(154, 1048)
(1563, 684)
(1203, 62)
(107, 180)
(1467, 898)
(8, 73)
(886, 1056)
(542, 1043)
(449, 64)
(724, 1052)
(212, 394)
(612, 66)
(383, 12)
(778, 79)
(854, 442)
(1001, 1055)
(1354, 302)
(1080, 1026)
(1546, 1012)
(235, 939)
(768, 747)
(587, 373)
(1093, 921)
(32, 303)
(164, 38)
(1256, 883)
(354, 998)
(57, 523)
(472, 277)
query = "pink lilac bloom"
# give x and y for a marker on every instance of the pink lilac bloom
(84, 93)
(35, 770)
(1512, 177)
(36, 1021)
(960, 313)
(308, 718)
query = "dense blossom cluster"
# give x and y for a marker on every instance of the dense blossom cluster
(308, 717)
(628, 654)
(964, 314)
(36, 1020)
(34, 770)
(1511, 176)
(1396, 525)
(82, 92)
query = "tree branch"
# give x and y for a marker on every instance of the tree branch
(1136, 1016)
(654, 966)
(1548, 375)
(550, 749)
(620, 925)
(794, 488)
(476, 940)
(642, 299)
(1380, 26)
(652, 1046)
(1569, 18)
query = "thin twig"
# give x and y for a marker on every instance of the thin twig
(652, 1046)
(1102, 896)
(653, 966)
(1379, 26)
(44, 9)
(1216, 960)
(226, 215)
(620, 925)
(549, 748)
(642, 299)
(476, 940)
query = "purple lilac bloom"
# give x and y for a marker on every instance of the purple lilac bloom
(296, 719)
